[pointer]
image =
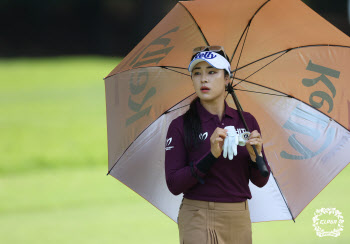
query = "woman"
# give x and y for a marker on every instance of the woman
(214, 207)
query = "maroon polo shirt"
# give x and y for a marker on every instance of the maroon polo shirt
(227, 180)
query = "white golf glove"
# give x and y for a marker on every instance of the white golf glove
(231, 142)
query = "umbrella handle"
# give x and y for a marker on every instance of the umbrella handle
(261, 164)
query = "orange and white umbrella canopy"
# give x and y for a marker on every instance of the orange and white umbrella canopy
(291, 72)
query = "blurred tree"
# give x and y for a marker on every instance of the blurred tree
(107, 27)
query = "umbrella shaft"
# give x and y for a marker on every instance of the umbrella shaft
(259, 160)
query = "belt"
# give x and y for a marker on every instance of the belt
(216, 205)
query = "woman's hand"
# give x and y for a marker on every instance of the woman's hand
(217, 141)
(254, 139)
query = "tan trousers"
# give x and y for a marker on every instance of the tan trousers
(202, 222)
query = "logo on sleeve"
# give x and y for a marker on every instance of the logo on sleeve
(168, 141)
(203, 136)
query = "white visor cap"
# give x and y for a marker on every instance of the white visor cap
(214, 59)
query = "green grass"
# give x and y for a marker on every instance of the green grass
(77, 206)
(53, 183)
(53, 112)
(66, 206)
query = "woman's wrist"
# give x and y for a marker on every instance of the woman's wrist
(214, 154)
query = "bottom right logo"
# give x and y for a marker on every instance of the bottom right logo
(328, 222)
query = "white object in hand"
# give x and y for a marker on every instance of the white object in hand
(243, 138)
(231, 142)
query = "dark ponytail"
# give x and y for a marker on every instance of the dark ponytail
(192, 127)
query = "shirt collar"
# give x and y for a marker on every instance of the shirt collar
(205, 115)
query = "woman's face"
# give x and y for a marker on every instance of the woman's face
(203, 74)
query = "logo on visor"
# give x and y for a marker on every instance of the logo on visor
(168, 141)
(206, 55)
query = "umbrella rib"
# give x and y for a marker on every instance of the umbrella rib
(283, 196)
(143, 68)
(200, 30)
(234, 52)
(290, 96)
(290, 49)
(166, 67)
(265, 93)
(179, 107)
(253, 83)
(167, 111)
(247, 28)
(261, 68)
(240, 54)
(173, 67)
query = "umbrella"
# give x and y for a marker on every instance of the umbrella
(290, 69)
